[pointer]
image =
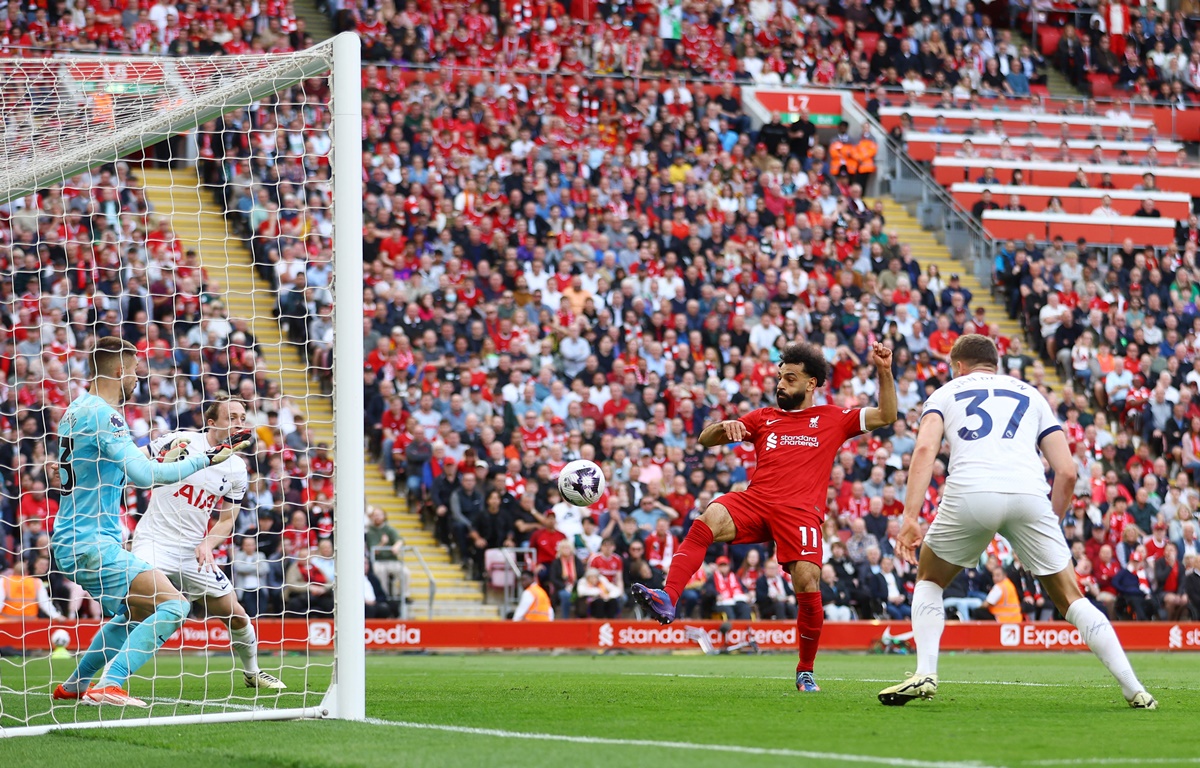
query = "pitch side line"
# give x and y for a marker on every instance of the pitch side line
(854, 680)
(685, 745)
(1119, 761)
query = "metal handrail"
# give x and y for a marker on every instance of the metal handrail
(511, 591)
(428, 574)
(975, 247)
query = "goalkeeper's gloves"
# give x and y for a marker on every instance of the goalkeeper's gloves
(242, 440)
(219, 454)
(173, 454)
(238, 441)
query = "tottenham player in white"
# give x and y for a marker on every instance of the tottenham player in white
(173, 535)
(994, 425)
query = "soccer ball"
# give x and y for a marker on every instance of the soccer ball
(60, 638)
(581, 482)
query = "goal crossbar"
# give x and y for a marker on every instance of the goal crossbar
(25, 172)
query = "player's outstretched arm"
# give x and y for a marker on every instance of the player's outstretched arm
(920, 472)
(723, 433)
(1058, 453)
(885, 414)
(145, 473)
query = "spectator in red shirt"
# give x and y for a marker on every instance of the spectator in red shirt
(545, 540)
(941, 340)
(36, 505)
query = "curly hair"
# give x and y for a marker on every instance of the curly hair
(808, 356)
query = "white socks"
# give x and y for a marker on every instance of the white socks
(928, 621)
(245, 645)
(1097, 631)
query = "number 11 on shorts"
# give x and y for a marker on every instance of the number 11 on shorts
(809, 536)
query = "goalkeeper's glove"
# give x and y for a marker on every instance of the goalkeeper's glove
(242, 440)
(238, 441)
(174, 452)
(219, 454)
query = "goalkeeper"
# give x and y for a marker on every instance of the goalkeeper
(174, 536)
(96, 458)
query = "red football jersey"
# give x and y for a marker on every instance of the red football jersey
(609, 567)
(795, 451)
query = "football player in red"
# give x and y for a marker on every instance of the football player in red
(795, 445)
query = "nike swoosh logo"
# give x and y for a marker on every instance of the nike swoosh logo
(772, 421)
(805, 637)
(805, 552)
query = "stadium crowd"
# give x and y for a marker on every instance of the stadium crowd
(1148, 53)
(580, 267)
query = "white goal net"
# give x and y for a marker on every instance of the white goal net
(187, 207)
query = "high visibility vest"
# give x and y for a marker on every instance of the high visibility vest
(866, 151)
(842, 154)
(541, 610)
(20, 597)
(1008, 610)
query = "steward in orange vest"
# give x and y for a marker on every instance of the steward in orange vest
(535, 603)
(20, 595)
(865, 151)
(842, 152)
(1003, 601)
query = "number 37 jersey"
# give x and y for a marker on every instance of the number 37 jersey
(994, 424)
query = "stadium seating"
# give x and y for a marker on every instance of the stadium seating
(1007, 225)
(926, 146)
(1172, 205)
(951, 170)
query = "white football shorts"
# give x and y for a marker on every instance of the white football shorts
(967, 522)
(183, 570)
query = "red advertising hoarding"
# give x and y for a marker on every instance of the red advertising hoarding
(316, 635)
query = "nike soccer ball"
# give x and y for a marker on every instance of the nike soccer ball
(60, 638)
(581, 483)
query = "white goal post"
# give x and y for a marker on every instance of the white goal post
(73, 131)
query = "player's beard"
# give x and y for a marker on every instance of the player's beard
(128, 387)
(789, 402)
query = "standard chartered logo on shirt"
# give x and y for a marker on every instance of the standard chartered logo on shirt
(772, 441)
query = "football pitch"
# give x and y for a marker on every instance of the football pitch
(992, 710)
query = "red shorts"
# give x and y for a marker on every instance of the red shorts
(796, 531)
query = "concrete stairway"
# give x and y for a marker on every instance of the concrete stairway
(1056, 81)
(926, 250)
(316, 22)
(199, 223)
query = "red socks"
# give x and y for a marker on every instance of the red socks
(810, 617)
(687, 560)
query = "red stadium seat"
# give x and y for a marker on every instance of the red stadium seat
(1048, 38)
(1102, 85)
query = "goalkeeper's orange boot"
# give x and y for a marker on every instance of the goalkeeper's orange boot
(61, 693)
(111, 694)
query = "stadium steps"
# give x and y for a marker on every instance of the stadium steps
(926, 250)
(199, 224)
(316, 22)
(1056, 81)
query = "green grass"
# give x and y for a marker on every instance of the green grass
(1074, 713)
